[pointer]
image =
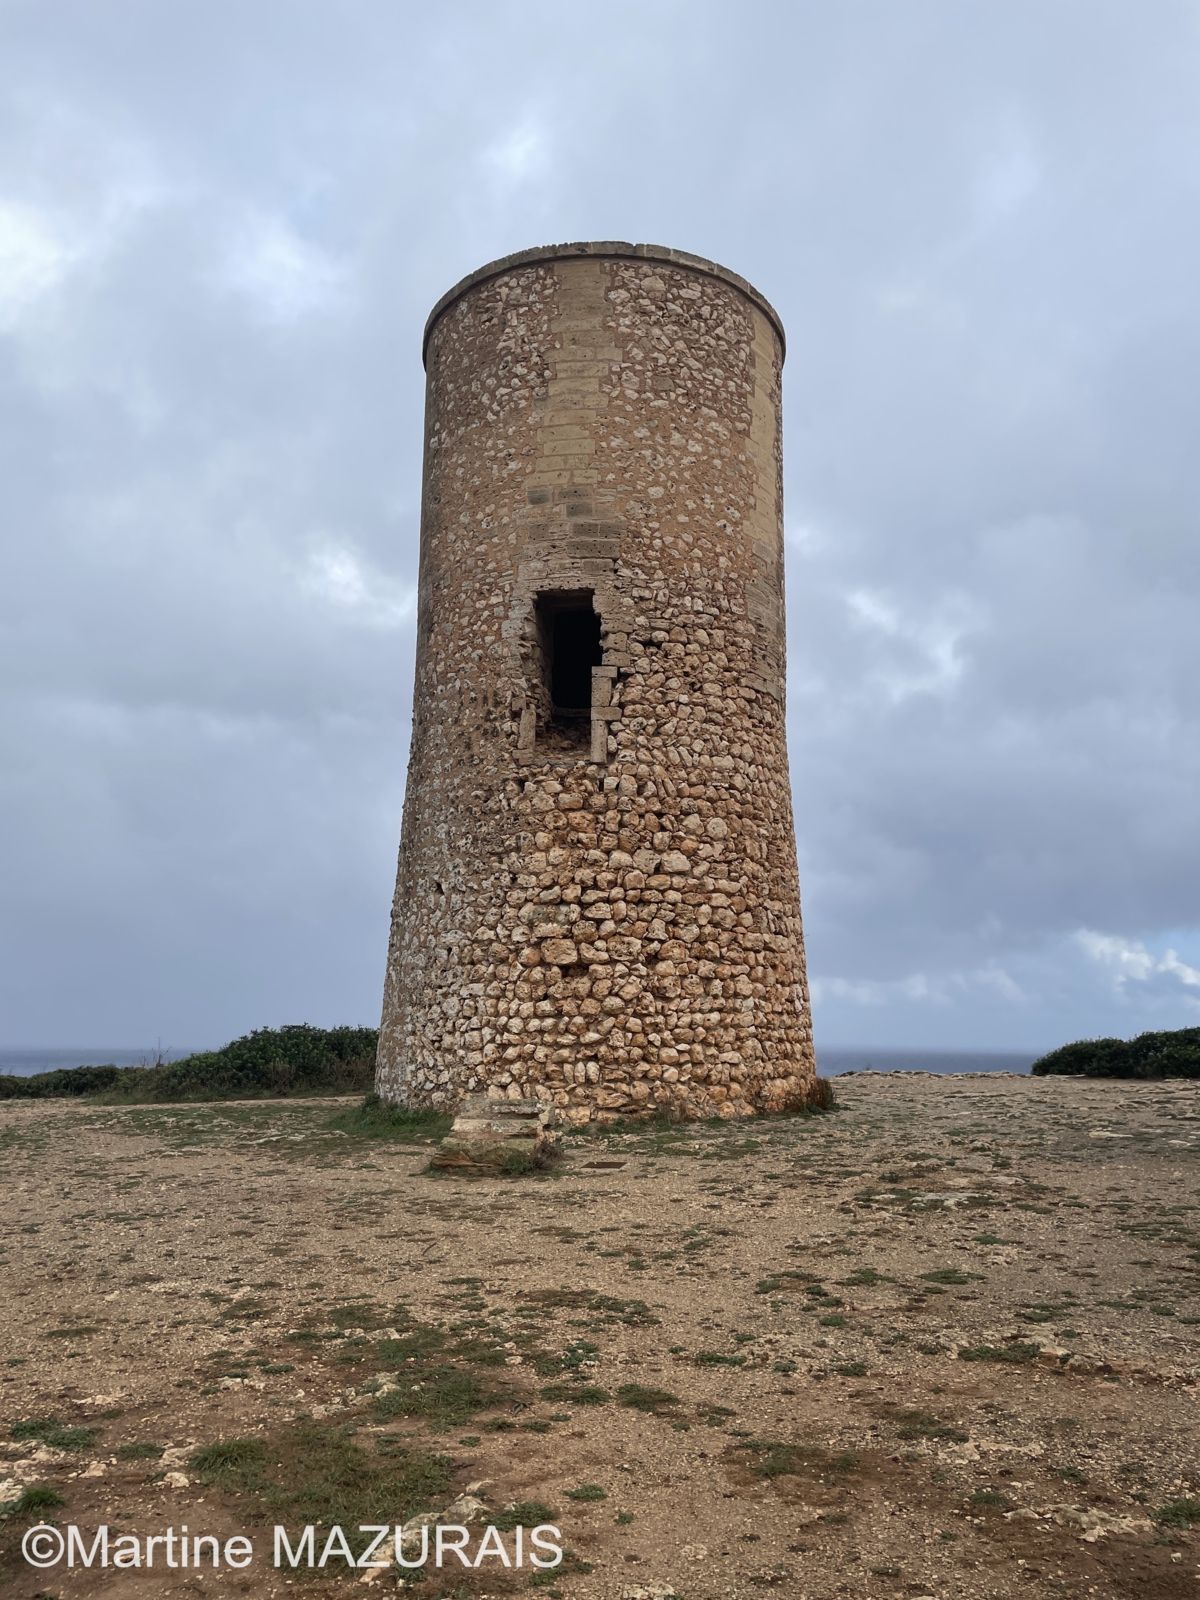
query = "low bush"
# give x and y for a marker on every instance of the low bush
(61, 1082)
(267, 1063)
(1174, 1054)
(822, 1097)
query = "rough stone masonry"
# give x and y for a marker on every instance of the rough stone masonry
(597, 901)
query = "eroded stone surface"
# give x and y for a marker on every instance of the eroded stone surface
(487, 1130)
(600, 913)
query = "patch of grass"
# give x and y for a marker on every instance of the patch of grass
(357, 1314)
(517, 1160)
(1012, 1354)
(574, 1357)
(950, 1275)
(231, 1463)
(32, 1501)
(139, 1450)
(524, 1514)
(571, 1565)
(401, 1124)
(713, 1416)
(1040, 1313)
(851, 1369)
(769, 1458)
(443, 1397)
(864, 1277)
(914, 1423)
(1178, 1514)
(729, 1149)
(642, 1397)
(49, 1430)
(426, 1343)
(990, 1499)
(418, 1344)
(312, 1473)
(787, 1278)
(632, 1313)
(715, 1358)
(576, 1394)
(587, 1491)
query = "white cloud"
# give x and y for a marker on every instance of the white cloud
(520, 156)
(918, 987)
(869, 991)
(806, 538)
(338, 578)
(993, 976)
(917, 654)
(1130, 961)
(283, 275)
(1007, 177)
(34, 260)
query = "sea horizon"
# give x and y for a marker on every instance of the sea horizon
(832, 1060)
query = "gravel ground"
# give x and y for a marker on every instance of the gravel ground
(942, 1342)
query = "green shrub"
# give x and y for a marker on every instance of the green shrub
(230, 1463)
(1016, 1354)
(314, 1472)
(36, 1500)
(297, 1059)
(523, 1514)
(61, 1082)
(293, 1060)
(823, 1097)
(1178, 1514)
(644, 1397)
(49, 1430)
(1174, 1054)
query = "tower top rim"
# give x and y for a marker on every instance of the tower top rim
(612, 249)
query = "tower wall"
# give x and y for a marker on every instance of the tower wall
(598, 904)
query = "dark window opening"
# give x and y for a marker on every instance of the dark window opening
(569, 633)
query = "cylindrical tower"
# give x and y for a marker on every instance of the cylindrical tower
(597, 899)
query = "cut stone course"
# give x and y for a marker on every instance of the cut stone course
(597, 904)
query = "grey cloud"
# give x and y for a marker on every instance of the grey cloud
(221, 229)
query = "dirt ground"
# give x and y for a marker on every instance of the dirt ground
(941, 1342)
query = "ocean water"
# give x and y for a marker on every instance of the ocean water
(21, 1063)
(835, 1059)
(832, 1060)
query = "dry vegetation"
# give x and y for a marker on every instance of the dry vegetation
(942, 1342)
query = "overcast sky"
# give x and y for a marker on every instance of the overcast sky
(221, 228)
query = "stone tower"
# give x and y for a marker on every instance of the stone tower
(597, 899)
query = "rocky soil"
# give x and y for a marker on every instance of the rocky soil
(942, 1342)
